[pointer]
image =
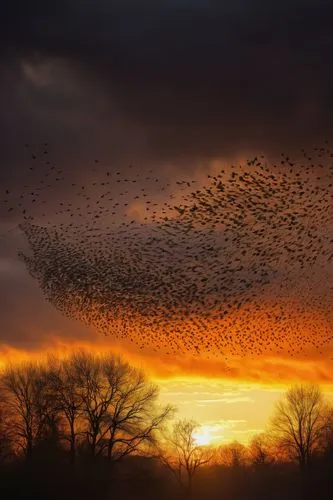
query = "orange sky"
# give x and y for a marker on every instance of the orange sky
(228, 406)
(230, 388)
(230, 395)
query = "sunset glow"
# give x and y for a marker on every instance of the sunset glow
(166, 249)
(202, 437)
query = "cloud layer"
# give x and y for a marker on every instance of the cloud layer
(199, 79)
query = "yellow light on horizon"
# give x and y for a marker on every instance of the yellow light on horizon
(202, 437)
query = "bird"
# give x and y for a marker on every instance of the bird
(239, 265)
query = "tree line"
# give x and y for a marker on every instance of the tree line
(91, 415)
(99, 405)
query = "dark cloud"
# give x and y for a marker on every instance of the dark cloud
(200, 78)
(26, 320)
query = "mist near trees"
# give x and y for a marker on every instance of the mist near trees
(91, 426)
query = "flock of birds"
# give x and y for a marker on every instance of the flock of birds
(239, 263)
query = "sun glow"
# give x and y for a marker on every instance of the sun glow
(202, 437)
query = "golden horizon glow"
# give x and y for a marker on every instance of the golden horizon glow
(225, 408)
(202, 436)
(265, 371)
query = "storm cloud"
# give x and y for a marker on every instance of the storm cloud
(198, 79)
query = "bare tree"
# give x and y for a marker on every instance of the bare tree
(298, 422)
(326, 438)
(119, 406)
(6, 451)
(64, 385)
(96, 396)
(260, 450)
(134, 417)
(24, 391)
(99, 401)
(234, 454)
(183, 456)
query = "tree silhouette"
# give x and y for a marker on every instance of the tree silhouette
(6, 436)
(24, 389)
(183, 456)
(233, 455)
(119, 406)
(64, 385)
(99, 402)
(101, 408)
(298, 423)
(260, 450)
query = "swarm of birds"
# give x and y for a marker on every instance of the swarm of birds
(239, 263)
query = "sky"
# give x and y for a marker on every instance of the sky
(181, 89)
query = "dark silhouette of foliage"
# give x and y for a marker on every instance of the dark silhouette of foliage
(183, 456)
(102, 416)
(100, 403)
